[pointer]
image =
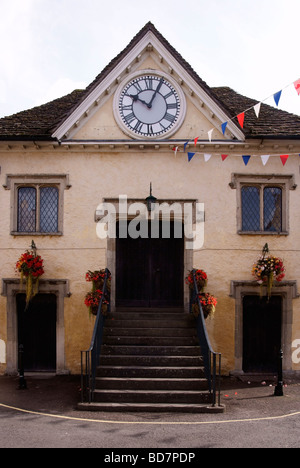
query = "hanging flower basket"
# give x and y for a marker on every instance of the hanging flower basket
(201, 279)
(92, 301)
(97, 278)
(30, 266)
(267, 269)
(93, 298)
(208, 303)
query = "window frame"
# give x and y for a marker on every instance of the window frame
(284, 182)
(36, 181)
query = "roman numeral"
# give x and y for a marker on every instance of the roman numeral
(149, 83)
(169, 117)
(130, 118)
(138, 126)
(137, 87)
(172, 106)
(127, 108)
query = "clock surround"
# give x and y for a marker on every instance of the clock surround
(149, 105)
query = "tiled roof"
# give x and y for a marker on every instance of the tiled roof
(40, 122)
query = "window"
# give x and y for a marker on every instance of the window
(37, 203)
(261, 208)
(38, 209)
(263, 203)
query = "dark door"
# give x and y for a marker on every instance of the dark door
(262, 320)
(37, 332)
(150, 268)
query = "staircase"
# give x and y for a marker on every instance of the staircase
(151, 361)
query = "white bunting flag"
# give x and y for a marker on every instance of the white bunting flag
(265, 159)
(207, 157)
(257, 109)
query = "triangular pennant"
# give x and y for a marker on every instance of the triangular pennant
(224, 125)
(241, 118)
(210, 132)
(196, 140)
(185, 145)
(246, 159)
(224, 156)
(265, 158)
(297, 86)
(257, 109)
(277, 97)
(208, 156)
(190, 156)
(284, 158)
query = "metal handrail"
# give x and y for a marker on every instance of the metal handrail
(210, 357)
(91, 357)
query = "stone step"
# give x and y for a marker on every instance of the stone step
(119, 340)
(120, 322)
(152, 396)
(155, 332)
(169, 316)
(153, 361)
(150, 350)
(119, 383)
(150, 407)
(151, 372)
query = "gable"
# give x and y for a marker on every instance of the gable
(93, 118)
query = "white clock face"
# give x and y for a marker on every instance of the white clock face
(149, 106)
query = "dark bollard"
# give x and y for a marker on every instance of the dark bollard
(279, 386)
(22, 380)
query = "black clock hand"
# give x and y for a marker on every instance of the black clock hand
(136, 98)
(155, 92)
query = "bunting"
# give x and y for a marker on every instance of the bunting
(256, 108)
(246, 158)
(241, 120)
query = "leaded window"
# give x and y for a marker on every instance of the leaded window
(261, 208)
(38, 209)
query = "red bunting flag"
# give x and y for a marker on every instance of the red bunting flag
(284, 158)
(241, 118)
(224, 156)
(297, 86)
(196, 141)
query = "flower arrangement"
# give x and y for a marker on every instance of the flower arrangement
(30, 266)
(97, 278)
(93, 298)
(201, 279)
(92, 301)
(207, 300)
(208, 303)
(267, 269)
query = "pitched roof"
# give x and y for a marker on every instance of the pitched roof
(40, 122)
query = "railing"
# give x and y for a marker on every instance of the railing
(212, 360)
(90, 358)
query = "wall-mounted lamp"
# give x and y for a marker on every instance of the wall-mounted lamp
(151, 200)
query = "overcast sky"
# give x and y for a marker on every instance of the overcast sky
(51, 47)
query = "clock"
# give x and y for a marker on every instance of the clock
(149, 105)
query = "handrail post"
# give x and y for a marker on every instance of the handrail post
(209, 356)
(92, 355)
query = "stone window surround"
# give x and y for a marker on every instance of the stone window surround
(285, 182)
(288, 291)
(10, 289)
(16, 181)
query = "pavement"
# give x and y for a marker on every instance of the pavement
(271, 421)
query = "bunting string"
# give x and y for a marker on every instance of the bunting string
(245, 157)
(241, 120)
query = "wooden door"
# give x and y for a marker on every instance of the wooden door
(262, 323)
(37, 332)
(150, 269)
